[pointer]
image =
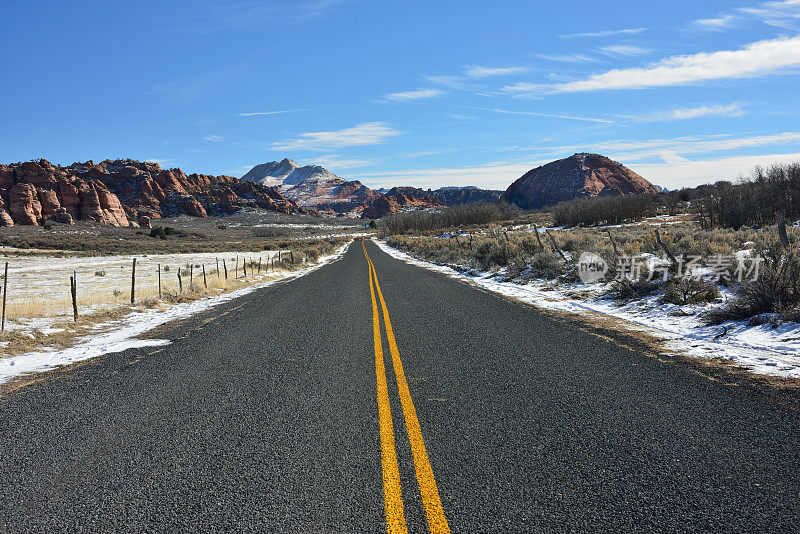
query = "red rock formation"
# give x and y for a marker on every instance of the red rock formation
(576, 176)
(49, 201)
(118, 191)
(24, 202)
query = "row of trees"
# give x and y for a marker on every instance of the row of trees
(476, 213)
(757, 200)
(591, 211)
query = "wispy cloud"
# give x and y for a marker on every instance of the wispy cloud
(191, 87)
(496, 175)
(336, 162)
(718, 23)
(450, 81)
(214, 138)
(785, 14)
(209, 17)
(524, 87)
(756, 59)
(459, 116)
(476, 71)
(623, 50)
(684, 173)
(781, 14)
(533, 114)
(426, 153)
(604, 33)
(276, 112)
(368, 133)
(567, 58)
(720, 110)
(419, 94)
(644, 149)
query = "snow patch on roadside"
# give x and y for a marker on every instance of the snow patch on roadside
(761, 349)
(121, 334)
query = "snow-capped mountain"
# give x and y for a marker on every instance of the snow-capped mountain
(312, 186)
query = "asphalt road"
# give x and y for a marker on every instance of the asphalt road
(263, 415)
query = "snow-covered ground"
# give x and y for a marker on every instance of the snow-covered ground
(761, 349)
(120, 335)
(106, 280)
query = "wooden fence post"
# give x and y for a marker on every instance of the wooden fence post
(225, 265)
(133, 282)
(291, 256)
(205, 284)
(244, 266)
(555, 245)
(180, 282)
(191, 276)
(5, 292)
(159, 281)
(73, 283)
(236, 270)
(218, 275)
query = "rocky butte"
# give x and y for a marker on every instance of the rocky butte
(121, 192)
(579, 175)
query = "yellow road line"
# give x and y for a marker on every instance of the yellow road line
(392, 496)
(437, 522)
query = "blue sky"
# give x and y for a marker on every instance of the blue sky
(405, 93)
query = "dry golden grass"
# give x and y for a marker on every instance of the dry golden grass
(105, 306)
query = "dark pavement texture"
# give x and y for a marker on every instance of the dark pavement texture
(261, 415)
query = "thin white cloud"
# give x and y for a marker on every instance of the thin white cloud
(333, 161)
(276, 112)
(476, 71)
(717, 23)
(214, 138)
(623, 50)
(687, 173)
(773, 10)
(756, 59)
(532, 114)
(490, 176)
(524, 87)
(368, 133)
(782, 14)
(567, 58)
(604, 33)
(644, 149)
(450, 81)
(719, 110)
(408, 96)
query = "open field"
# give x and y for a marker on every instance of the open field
(39, 311)
(705, 309)
(248, 230)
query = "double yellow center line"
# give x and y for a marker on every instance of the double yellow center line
(392, 494)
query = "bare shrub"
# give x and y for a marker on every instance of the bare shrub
(545, 264)
(690, 290)
(777, 290)
(629, 289)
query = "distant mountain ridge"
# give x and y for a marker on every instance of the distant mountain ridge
(579, 175)
(316, 187)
